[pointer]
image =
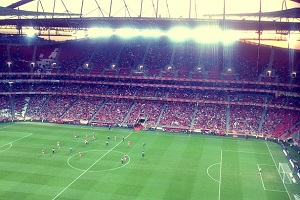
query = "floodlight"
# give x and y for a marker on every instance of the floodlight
(100, 32)
(151, 33)
(207, 34)
(229, 36)
(292, 39)
(79, 34)
(179, 33)
(127, 32)
(30, 32)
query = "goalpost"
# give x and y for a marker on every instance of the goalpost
(285, 173)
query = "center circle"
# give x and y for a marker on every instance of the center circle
(97, 161)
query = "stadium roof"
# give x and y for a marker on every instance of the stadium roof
(149, 8)
(119, 22)
(7, 11)
(288, 13)
(280, 16)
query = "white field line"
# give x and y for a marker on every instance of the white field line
(211, 138)
(14, 132)
(267, 165)
(209, 174)
(89, 168)
(220, 174)
(16, 140)
(68, 161)
(262, 181)
(78, 127)
(274, 190)
(244, 152)
(6, 126)
(278, 172)
(6, 148)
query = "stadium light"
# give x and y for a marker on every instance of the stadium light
(30, 32)
(151, 33)
(79, 34)
(100, 32)
(127, 32)
(292, 39)
(140, 67)
(229, 36)
(179, 33)
(9, 64)
(198, 69)
(207, 34)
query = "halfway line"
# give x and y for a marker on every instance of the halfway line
(89, 168)
(220, 174)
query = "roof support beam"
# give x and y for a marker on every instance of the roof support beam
(19, 3)
(81, 8)
(141, 8)
(110, 7)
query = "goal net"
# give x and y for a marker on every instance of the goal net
(297, 197)
(285, 173)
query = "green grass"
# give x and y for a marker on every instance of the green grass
(175, 166)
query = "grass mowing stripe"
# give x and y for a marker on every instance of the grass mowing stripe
(90, 167)
(175, 165)
(278, 172)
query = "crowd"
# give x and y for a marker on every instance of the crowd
(118, 57)
(242, 119)
(158, 58)
(210, 118)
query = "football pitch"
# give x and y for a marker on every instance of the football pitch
(174, 166)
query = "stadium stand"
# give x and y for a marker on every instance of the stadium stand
(175, 87)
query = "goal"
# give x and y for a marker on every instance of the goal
(285, 173)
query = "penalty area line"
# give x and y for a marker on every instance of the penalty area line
(245, 152)
(3, 127)
(278, 170)
(16, 140)
(262, 181)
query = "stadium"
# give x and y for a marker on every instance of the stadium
(149, 100)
